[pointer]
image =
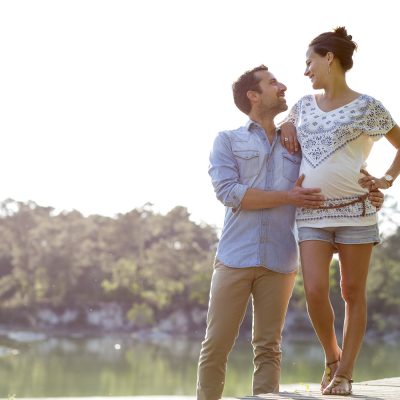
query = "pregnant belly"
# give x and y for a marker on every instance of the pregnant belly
(333, 183)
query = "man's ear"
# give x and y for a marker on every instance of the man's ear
(252, 95)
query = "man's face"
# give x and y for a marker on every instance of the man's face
(272, 96)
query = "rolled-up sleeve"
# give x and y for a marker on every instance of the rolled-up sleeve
(224, 173)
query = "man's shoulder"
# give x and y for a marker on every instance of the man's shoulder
(238, 133)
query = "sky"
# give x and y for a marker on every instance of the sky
(108, 105)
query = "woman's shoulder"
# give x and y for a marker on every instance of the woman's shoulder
(306, 98)
(305, 101)
(366, 98)
(370, 104)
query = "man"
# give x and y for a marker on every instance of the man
(256, 178)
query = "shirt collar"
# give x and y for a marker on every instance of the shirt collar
(250, 125)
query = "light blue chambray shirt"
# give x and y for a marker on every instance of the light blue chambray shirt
(244, 158)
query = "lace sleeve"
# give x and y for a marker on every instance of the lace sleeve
(378, 120)
(293, 114)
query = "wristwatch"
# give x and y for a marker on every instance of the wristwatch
(389, 179)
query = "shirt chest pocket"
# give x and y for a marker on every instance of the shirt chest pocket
(291, 167)
(248, 162)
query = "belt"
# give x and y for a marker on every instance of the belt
(360, 199)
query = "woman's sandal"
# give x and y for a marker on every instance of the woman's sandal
(327, 377)
(341, 384)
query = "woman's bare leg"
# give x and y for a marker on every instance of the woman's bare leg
(354, 263)
(316, 257)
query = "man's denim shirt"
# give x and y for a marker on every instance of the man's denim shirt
(244, 158)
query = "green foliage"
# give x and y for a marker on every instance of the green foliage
(141, 315)
(167, 266)
(150, 263)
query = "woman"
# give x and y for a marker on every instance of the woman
(336, 130)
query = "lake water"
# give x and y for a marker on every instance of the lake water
(121, 366)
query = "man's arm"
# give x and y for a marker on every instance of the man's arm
(300, 197)
(224, 173)
(232, 193)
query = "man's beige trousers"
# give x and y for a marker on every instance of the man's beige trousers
(229, 296)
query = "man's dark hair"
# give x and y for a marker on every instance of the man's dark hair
(247, 81)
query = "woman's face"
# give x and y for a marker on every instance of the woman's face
(317, 68)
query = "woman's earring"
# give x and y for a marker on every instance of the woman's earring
(329, 68)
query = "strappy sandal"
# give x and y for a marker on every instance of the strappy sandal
(327, 377)
(338, 380)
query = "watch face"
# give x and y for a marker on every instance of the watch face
(389, 178)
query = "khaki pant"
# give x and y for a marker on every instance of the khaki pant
(229, 295)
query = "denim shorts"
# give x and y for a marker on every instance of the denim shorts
(341, 234)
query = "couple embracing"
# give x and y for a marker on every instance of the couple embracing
(268, 186)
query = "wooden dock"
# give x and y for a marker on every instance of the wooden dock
(382, 389)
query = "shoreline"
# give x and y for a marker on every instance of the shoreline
(23, 334)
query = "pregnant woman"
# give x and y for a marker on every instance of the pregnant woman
(336, 130)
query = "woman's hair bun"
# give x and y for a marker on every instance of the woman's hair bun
(337, 42)
(342, 32)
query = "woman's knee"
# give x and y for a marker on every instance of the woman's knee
(316, 294)
(353, 293)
